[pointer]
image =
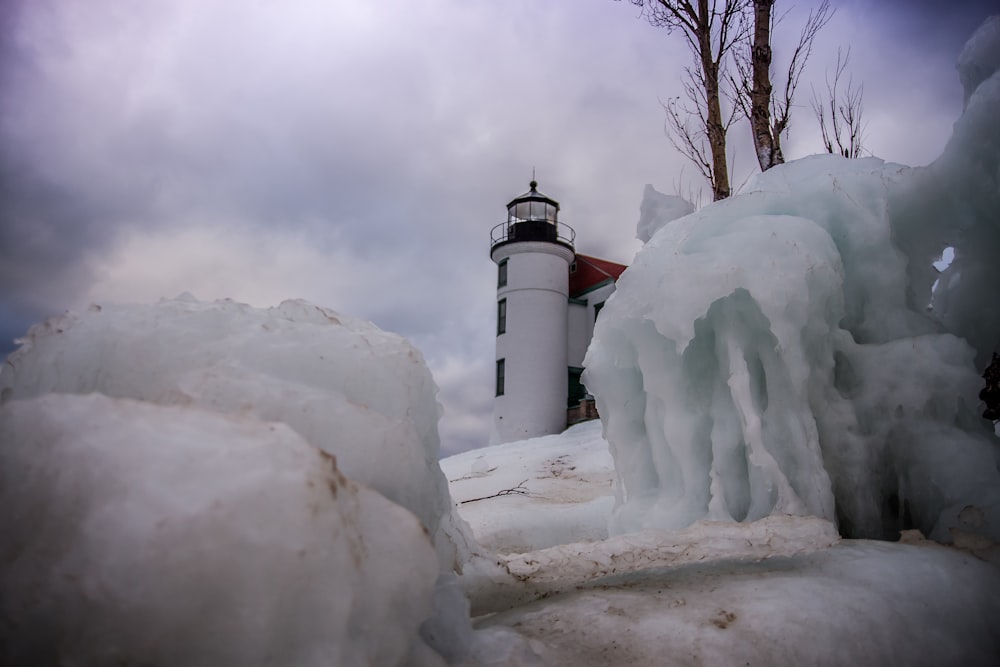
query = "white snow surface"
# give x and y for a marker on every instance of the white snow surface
(531, 494)
(774, 353)
(859, 603)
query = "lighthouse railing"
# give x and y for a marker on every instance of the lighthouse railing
(532, 230)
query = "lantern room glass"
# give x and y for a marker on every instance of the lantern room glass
(533, 206)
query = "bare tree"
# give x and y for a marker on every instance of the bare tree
(841, 117)
(770, 111)
(711, 29)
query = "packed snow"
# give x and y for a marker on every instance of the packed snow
(855, 603)
(191, 483)
(536, 493)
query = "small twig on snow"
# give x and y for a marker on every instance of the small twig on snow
(520, 490)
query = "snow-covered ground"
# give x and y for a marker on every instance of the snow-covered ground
(532, 494)
(854, 603)
(783, 590)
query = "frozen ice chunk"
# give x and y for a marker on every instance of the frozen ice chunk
(349, 388)
(357, 393)
(142, 534)
(657, 209)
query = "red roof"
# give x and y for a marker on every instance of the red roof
(591, 271)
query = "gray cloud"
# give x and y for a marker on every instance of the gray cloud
(358, 153)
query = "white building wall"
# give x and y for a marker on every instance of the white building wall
(580, 326)
(534, 344)
(581, 322)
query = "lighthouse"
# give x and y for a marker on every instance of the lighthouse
(533, 252)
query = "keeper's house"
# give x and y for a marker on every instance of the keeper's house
(548, 298)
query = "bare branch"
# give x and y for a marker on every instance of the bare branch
(841, 115)
(691, 195)
(688, 140)
(712, 30)
(815, 22)
(669, 15)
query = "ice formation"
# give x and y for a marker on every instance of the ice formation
(360, 395)
(657, 209)
(136, 533)
(782, 351)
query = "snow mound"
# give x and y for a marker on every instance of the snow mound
(784, 351)
(358, 393)
(143, 534)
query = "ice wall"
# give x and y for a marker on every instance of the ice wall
(327, 382)
(779, 352)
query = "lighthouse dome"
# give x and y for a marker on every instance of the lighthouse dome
(533, 205)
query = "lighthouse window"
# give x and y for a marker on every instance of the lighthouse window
(500, 376)
(522, 211)
(597, 309)
(577, 392)
(501, 316)
(502, 273)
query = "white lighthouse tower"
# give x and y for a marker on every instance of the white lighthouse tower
(533, 252)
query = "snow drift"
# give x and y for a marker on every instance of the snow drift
(784, 351)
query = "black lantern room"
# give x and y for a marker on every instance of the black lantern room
(533, 206)
(533, 216)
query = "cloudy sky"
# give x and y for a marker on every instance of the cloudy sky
(356, 153)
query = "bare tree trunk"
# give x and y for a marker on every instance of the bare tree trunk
(768, 110)
(714, 127)
(767, 145)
